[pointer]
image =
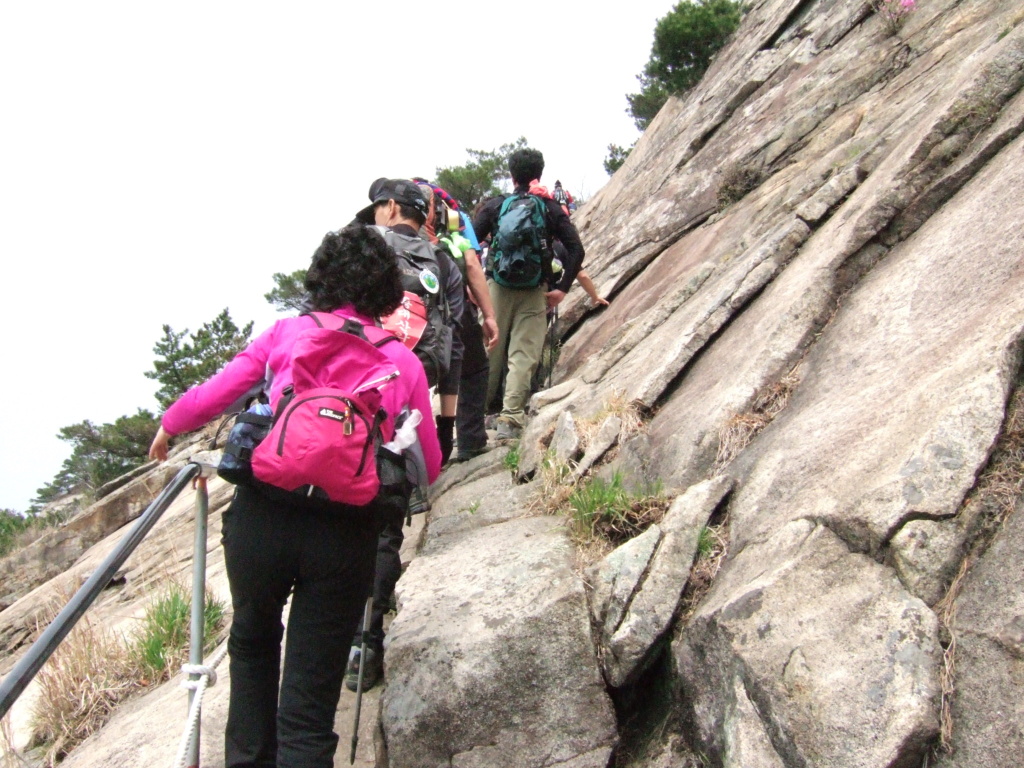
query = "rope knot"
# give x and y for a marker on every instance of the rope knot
(198, 669)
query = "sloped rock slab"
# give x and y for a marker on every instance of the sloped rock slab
(490, 662)
(53, 552)
(459, 472)
(988, 708)
(746, 741)
(615, 579)
(635, 620)
(565, 442)
(829, 647)
(494, 497)
(902, 398)
(607, 436)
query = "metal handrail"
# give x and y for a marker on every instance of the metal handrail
(21, 675)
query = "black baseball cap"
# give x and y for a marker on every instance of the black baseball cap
(402, 191)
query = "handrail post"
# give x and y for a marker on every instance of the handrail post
(198, 605)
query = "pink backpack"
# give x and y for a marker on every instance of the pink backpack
(329, 424)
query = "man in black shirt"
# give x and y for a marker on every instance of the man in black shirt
(522, 312)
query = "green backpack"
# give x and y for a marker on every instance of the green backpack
(520, 252)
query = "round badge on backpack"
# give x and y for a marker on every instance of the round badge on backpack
(429, 281)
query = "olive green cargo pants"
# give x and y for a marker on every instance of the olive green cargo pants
(522, 323)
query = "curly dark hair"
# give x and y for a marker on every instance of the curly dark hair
(525, 165)
(355, 266)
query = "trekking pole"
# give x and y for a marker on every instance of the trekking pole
(359, 684)
(551, 345)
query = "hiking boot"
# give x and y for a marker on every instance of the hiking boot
(508, 430)
(373, 670)
(470, 454)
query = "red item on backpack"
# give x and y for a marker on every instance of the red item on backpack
(329, 424)
(408, 322)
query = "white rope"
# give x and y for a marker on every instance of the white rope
(207, 677)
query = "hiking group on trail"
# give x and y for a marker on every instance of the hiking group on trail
(335, 442)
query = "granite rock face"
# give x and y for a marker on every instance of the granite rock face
(816, 271)
(490, 657)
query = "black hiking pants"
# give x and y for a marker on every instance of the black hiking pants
(325, 560)
(469, 414)
(388, 571)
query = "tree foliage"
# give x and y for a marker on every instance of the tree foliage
(289, 291)
(482, 177)
(184, 362)
(685, 41)
(616, 157)
(11, 525)
(99, 453)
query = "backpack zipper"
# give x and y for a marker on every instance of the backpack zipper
(347, 429)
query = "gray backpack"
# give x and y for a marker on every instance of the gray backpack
(424, 278)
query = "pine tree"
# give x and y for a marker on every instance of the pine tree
(100, 453)
(482, 177)
(183, 364)
(289, 291)
(685, 41)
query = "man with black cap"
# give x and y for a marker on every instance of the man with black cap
(428, 323)
(432, 283)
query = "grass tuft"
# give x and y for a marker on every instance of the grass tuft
(739, 431)
(88, 675)
(606, 510)
(93, 670)
(737, 180)
(511, 459)
(998, 492)
(160, 644)
(712, 547)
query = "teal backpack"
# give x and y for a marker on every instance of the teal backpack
(520, 253)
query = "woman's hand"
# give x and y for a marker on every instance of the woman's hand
(158, 450)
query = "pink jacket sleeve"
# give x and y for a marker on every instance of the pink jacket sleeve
(208, 400)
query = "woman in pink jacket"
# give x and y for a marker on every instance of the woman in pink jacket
(275, 547)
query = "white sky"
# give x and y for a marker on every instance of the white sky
(160, 161)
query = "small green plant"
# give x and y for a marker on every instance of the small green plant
(160, 644)
(606, 509)
(712, 547)
(706, 541)
(510, 460)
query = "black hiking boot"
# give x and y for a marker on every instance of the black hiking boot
(373, 670)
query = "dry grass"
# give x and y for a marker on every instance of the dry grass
(556, 485)
(712, 547)
(741, 429)
(79, 687)
(737, 180)
(10, 758)
(1001, 485)
(601, 514)
(997, 493)
(94, 670)
(616, 405)
(945, 609)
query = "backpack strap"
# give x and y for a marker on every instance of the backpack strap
(348, 325)
(381, 341)
(442, 257)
